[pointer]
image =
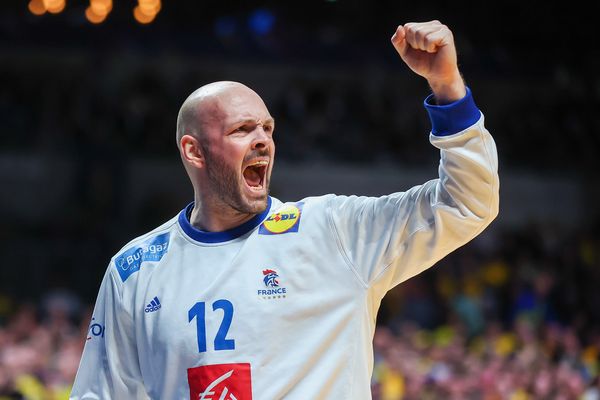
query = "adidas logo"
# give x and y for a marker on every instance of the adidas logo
(154, 305)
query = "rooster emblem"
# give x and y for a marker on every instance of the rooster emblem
(270, 278)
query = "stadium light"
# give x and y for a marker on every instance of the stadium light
(101, 7)
(54, 6)
(93, 17)
(146, 11)
(261, 21)
(98, 10)
(149, 7)
(37, 7)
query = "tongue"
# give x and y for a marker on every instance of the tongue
(252, 177)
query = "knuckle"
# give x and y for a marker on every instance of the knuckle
(419, 34)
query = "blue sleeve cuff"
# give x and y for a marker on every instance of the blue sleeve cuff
(452, 118)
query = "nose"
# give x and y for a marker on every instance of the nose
(261, 138)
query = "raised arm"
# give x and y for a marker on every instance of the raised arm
(389, 239)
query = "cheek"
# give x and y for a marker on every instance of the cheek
(270, 150)
(232, 156)
(272, 155)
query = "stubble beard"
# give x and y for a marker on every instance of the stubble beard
(226, 183)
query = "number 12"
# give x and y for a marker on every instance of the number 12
(198, 312)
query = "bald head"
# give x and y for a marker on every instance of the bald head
(203, 106)
(225, 139)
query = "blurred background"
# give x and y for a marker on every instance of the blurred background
(89, 94)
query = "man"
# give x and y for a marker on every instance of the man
(242, 296)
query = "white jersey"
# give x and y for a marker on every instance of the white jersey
(283, 306)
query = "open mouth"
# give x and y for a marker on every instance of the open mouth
(254, 174)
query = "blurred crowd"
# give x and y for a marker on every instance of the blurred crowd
(511, 316)
(549, 362)
(40, 346)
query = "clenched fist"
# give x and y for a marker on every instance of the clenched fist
(428, 49)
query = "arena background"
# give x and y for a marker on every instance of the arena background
(88, 161)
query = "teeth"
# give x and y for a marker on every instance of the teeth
(258, 163)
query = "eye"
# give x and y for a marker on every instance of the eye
(241, 129)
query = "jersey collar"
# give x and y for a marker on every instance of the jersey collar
(224, 236)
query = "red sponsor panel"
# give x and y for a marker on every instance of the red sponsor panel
(220, 382)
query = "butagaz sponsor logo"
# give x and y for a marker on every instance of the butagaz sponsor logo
(96, 330)
(131, 260)
(273, 289)
(154, 305)
(220, 382)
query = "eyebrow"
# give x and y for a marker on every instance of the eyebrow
(253, 121)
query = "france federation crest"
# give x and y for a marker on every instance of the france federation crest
(273, 289)
(270, 278)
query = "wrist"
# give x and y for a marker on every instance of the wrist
(448, 91)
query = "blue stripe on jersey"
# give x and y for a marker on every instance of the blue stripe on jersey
(452, 118)
(218, 237)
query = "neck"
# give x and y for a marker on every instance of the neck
(215, 216)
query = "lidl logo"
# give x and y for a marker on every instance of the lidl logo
(284, 220)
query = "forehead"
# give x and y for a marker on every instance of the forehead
(241, 104)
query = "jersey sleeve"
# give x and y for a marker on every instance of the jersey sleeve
(109, 367)
(389, 239)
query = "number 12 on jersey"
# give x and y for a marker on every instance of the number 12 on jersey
(198, 311)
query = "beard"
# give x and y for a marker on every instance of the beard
(226, 184)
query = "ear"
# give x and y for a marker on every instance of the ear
(191, 151)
